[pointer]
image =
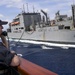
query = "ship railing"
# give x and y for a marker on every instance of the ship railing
(28, 68)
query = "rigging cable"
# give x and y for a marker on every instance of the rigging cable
(21, 36)
(14, 40)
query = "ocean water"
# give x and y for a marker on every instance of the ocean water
(60, 60)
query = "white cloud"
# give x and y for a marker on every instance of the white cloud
(50, 6)
(1, 16)
(12, 3)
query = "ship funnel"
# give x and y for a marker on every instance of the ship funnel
(44, 12)
(73, 14)
(45, 15)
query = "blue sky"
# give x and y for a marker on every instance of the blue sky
(10, 8)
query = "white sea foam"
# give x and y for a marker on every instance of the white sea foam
(20, 55)
(47, 43)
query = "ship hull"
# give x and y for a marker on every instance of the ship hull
(45, 34)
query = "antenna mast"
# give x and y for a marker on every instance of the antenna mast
(73, 2)
(33, 9)
(23, 8)
(27, 7)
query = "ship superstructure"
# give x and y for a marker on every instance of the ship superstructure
(30, 26)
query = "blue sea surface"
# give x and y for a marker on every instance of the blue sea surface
(56, 59)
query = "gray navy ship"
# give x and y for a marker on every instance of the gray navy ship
(33, 26)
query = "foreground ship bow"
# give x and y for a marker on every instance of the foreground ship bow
(28, 68)
(30, 26)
